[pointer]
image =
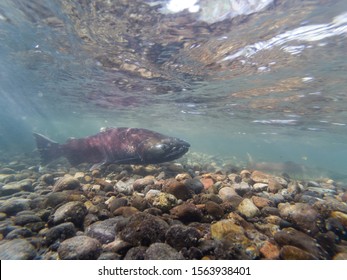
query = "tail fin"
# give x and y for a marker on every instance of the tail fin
(48, 149)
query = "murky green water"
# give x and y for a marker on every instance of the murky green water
(246, 81)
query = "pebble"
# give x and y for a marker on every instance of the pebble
(79, 248)
(181, 236)
(124, 187)
(227, 193)
(248, 209)
(187, 213)
(207, 183)
(194, 185)
(261, 202)
(136, 253)
(162, 251)
(260, 187)
(105, 231)
(161, 200)
(24, 219)
(17, 249)
(178, 189)
(241, 188)
(15, 187)
(14, 205)
(59, 233)
(140, 184)
(269, 251)
(302, 215)
(214, 209)
(341, 217)
(144, 229)
(293, 237)
(73, 211)
(67, 182)
(260, 177)
(294, 253)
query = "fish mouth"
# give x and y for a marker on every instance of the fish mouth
(177, 150)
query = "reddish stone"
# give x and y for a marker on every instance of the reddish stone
(207, 182)
(270, 251)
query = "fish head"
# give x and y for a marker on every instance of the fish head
(155, 150)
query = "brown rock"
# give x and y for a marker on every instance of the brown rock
(207, 182)
(140, 184)
(260, 177)
(248, 209)
(341, 217)
(270, 251)
(293, 237)
(214, 209)
(274, 186)
(301, 214)
(294, 253)
(261, 202)
(187, 212)
(125, 211)
(66, 183)
(178, 189)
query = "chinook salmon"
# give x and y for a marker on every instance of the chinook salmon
(114, 145)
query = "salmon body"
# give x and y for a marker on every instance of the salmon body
(114, 145)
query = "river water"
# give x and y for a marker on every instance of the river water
(255, 83)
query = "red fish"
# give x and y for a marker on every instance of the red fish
(114, 145)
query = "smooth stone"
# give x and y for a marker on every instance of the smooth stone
(214, 209)
(19, 233)
(22, 220)
(17, 249)
(260, 187)
(14, 205)
(294, 253)
(73, 211)
(14, 187)
(178, 189)
(162, 251)
(187, 212)
(114, 203)
(293, 237)
(228, 231)
(161, 200)
(330, 205)
(180, 236)
(274, 186)
(340, 256)
(144, 229)
(79, 248)
(125, 187)
(106, 231)
(261, 202)
(260, 177)
(117, 246)
(109, 256)
(136, 253)
(341, 217)
(66, 183)
(125, 211)
(248, 209)
(140, 184)
(54, 199)
(242, 188)
(7, 170)
(227, 193)
(302, 215)
(60, 233)
(207, 183)
(3, 216)
(194, 185)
